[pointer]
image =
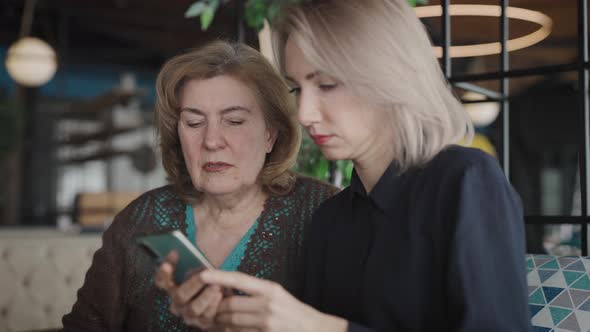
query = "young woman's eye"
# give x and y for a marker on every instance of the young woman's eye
(328, 87)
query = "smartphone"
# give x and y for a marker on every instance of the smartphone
(190, 259)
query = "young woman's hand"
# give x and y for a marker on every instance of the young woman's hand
(267, 307)
(193, 300)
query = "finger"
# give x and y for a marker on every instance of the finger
(211, 310)
(201, 303)
(172, 257)
(164, 275)
(174, 309)
(227, 328)
(187, 290)
(163, 278)
(237, 280)
(243, 304)
(198, 322)
(239, 320)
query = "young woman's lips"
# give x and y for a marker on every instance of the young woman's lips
(216, 167)
(321, 139)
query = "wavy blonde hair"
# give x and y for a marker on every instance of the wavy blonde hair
(250, 67)
(380, 50)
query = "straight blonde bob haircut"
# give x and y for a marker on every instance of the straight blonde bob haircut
(251, 68)
(381, 51)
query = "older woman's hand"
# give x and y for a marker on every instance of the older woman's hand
(193, 300)
(269, 307)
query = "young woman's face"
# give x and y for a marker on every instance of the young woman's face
(342, 124)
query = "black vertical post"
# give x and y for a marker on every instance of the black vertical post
(504, 87)
(63, 29)
(446, 39)
(240, 28)
(584, 117)
(28, 209)
(36, 198)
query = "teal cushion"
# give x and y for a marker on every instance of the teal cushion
(559, 292)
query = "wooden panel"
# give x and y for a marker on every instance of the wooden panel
(98, 209)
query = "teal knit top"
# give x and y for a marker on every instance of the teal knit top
(119, 292)
(235, 257)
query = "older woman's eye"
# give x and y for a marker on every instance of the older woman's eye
(328, 87)
(194, 124)
(235, 122)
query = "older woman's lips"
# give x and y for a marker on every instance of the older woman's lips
(216, 167)
(321, 139)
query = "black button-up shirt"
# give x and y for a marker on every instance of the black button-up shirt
(440, 248)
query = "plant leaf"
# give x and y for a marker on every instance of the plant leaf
(255, 13)
(195, 9)
(207, 18)
(208, 14)
(321, 170)
(273, 11)
(214, 4)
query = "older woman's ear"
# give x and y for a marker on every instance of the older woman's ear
(271, 139)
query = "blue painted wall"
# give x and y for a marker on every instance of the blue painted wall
(84, 81)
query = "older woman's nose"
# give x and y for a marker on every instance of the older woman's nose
(214, 139)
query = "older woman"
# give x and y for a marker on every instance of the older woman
(430, 235)
(228, 137)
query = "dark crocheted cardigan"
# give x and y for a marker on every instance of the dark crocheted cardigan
(119, 293)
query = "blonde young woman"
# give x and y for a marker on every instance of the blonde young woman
(429, 236)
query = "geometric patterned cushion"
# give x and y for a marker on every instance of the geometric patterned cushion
(559, 292)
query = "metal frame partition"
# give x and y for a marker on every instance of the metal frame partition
(581, 66)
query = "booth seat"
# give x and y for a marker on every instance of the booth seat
(559, 292)
(40, 272)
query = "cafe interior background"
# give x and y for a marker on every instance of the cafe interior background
(77, 142)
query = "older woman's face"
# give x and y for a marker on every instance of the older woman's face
(223, 135)
(340, 123)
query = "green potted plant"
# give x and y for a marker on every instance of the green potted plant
(255, 11)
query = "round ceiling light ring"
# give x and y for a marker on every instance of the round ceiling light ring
(465, 51)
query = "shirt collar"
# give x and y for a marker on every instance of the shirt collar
(356, 185)
(385, 189)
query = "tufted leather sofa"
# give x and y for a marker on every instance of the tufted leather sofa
(40, 272)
